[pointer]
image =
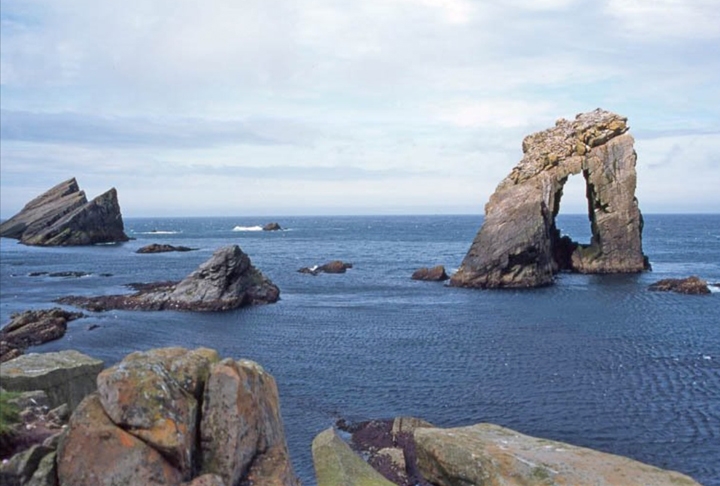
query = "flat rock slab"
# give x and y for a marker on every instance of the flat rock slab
(66, 376)
(487, 454)
(691, 286)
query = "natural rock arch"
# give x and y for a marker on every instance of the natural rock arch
(519, 244)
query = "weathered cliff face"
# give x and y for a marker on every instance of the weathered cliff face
(519, 244)
(63, 216)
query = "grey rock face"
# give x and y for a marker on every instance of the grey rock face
(66, 376)
(62, 216)
(519, 244)
(226, 281)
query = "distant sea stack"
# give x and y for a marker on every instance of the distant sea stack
(63, 216)
(519, 244)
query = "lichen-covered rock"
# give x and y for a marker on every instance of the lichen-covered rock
(519, 244)
(241, 425)
(433, 274)
(96, 452)
(226, 281)
(692, 285)
(33, 327)
(62, 216)
(66, 376)
(154, 396)
(487, 454)
(336, 464)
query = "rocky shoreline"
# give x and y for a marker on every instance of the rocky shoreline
(174, 416)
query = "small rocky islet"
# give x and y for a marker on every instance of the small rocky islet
(62, 216)
(120, 433)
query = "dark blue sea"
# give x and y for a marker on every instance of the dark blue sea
(596, 361)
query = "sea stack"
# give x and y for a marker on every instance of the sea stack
(228, 280)
(62, 216)
(519, 244)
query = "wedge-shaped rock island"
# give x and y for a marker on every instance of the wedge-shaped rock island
(62, 216)
(226, 281)
(519, 244)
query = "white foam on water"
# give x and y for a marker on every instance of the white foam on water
(715, 289)
(247, 228)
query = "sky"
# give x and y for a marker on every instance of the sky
(289, 107)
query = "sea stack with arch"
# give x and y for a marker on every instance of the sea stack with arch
(519, 244)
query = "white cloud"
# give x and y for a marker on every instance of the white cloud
(652, 20)
(496, 113)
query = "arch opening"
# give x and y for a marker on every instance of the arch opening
(572, 217)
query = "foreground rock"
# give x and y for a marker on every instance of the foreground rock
(226, 281)
(142, 424)
(336, 464)
(691, 285)
(65, 376)
(162, 248)
(33, 327)
(519, 244)
(335, 266)
(62, 216)
(489, 454)
(37, 424)
(434, 274)
(388, 446)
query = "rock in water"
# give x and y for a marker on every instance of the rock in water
(692, 285)
(31, 328)
(519, 244)
(63, 216)
(434, 274)
(226, 281)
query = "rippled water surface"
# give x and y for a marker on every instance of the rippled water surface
(596, 361)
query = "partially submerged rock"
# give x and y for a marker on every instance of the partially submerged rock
(434, 274)
(519, 244)
(143, 424)
(490, 454)
(66, 376)
(162, 248)
(272, 227)
(692, 285)
(228, 280)
(335, 266)
(62, 216)
(33, 327)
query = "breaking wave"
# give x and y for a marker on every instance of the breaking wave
(159, 232)
(247, 228)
